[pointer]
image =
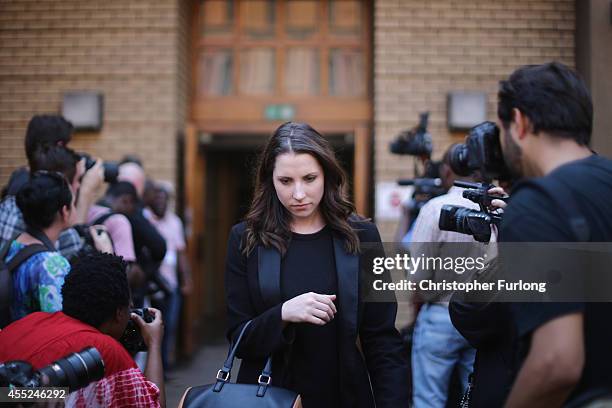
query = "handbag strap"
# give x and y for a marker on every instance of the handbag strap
(225, 373)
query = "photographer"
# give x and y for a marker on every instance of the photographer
(563, 349)
(546, 115)
(46, 138)
(95, 313)
(437, 346)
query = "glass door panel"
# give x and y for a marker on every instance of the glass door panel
(257, 71)
(346, 73)
(215, 73)
(302, 67)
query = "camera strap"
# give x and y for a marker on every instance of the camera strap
(560, 193)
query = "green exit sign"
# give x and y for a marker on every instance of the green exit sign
(280, 112)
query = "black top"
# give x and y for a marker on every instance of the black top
(308, 266)
(374, 375)
(532, 216)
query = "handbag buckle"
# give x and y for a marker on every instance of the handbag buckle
(264, 379)
(223, 375)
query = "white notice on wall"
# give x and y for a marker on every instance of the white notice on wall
(389, 199)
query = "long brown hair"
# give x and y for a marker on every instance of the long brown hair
(268, 221)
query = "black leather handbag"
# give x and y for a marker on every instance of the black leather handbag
(224, 394)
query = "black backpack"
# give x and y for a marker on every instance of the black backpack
(6, 276)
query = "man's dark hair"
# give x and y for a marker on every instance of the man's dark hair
(553, 97)
(47, 130)
(95, 288)
(42, 198)
(55, 158)
(122, 188)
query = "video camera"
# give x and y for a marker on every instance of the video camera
(424, 190)
(467, 220)
(111, 169)
(414, 142)
(74, 371)
(131, 338)
(481, 152)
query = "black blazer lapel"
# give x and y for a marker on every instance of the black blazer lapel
(268, 276)
(347, 270)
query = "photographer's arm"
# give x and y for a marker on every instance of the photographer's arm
(92, 180)
(553, 366)
(153, 333)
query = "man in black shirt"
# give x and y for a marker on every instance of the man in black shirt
(545, 113)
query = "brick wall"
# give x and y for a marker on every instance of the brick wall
(131, 51)
(424, 49)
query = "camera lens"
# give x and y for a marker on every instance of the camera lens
(447, 221)
(76, 370)
(458, 158)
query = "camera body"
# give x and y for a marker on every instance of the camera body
(481, 152)
(111, 169)
(74, 371)
(467, 220)
(131, 338)
(414, 142)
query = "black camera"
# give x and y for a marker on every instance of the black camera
(414, 142)
(85, 234)
(424, 190)
(480, 152)
(74, 371)
(467, 220)
(111, 169)
(132, 338)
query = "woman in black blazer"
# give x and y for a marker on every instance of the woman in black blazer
(292, 268)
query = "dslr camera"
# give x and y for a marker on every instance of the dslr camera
(481, 152)
(467, 220)
(111, 169)
(74, 371)
(132, 338)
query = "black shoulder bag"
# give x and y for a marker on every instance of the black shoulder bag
(224, 394)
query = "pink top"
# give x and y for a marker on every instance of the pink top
(119, 229)
(171, 228)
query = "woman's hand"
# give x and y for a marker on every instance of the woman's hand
(309, 308)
